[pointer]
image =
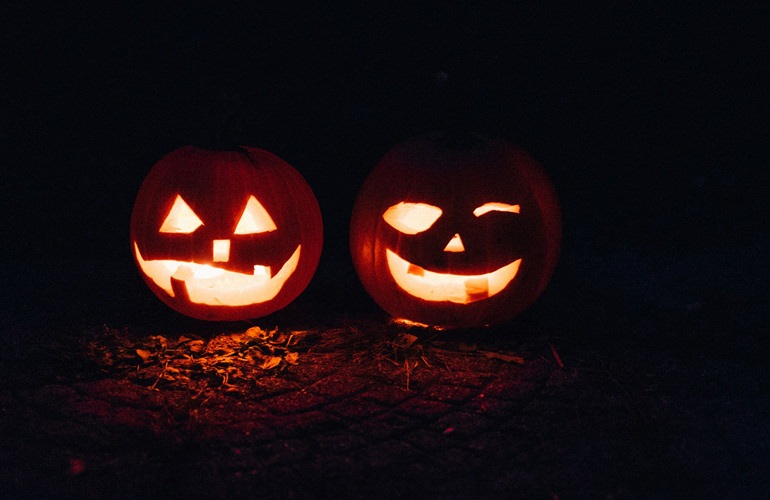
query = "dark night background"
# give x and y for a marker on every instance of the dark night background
(650, 117)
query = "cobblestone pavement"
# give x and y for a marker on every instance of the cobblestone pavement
(348, 421)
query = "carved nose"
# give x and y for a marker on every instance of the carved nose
(455, 244)
(221, 250)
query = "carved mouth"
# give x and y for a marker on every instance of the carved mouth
(210, 285)
(446, 287)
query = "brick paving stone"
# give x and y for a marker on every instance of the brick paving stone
(333, 466)
(92, 409)
(136, 418)
(422, 408)
(121, 392)
(497, 444)
(465, 378)
(267, 386)
(339, 442)
(387, 452)
(510, 387)
(467, 362)
(387, 394)
(519, 422)
(249, 431)
(459, 458)
(509, 480)
(306, 423)
(385, 425)
(461, 424)
(339, 385)
(52, 396)
(293, 402)
(490, 407)
(356, 408)
(252, 422)
(420, 379)
(453, 394)
(429, 439)
(317, 366)
(285, 451)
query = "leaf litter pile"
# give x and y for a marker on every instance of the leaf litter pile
(226, 362)
(233, 361)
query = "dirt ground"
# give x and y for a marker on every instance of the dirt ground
(583, 398)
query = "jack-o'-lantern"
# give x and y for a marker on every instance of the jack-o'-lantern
(455, 230)
(225, 235)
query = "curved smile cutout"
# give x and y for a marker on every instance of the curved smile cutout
(446, 287)
(214, 286)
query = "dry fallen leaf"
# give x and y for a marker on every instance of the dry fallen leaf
(271, 362)
(144, 354)
(508, 358)
(196, 346)
(292, 358)
(404, 340)
(255, 332)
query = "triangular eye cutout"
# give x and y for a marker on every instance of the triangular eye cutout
(180, 219)
(255, 219)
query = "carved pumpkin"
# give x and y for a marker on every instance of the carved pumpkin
(455, 230)
(225, 235)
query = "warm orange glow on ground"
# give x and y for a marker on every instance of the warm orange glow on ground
(410, 323)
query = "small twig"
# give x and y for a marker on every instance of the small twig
(556, 356)
(162, 372)
(408, 371)
(213, 393)
(508, 358)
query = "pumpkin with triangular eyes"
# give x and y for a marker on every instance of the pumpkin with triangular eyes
(455, 230)
(225, 235)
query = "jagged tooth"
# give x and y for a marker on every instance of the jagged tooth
(183, 272)
(477, 288)
(264, 272)
(416, 270)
